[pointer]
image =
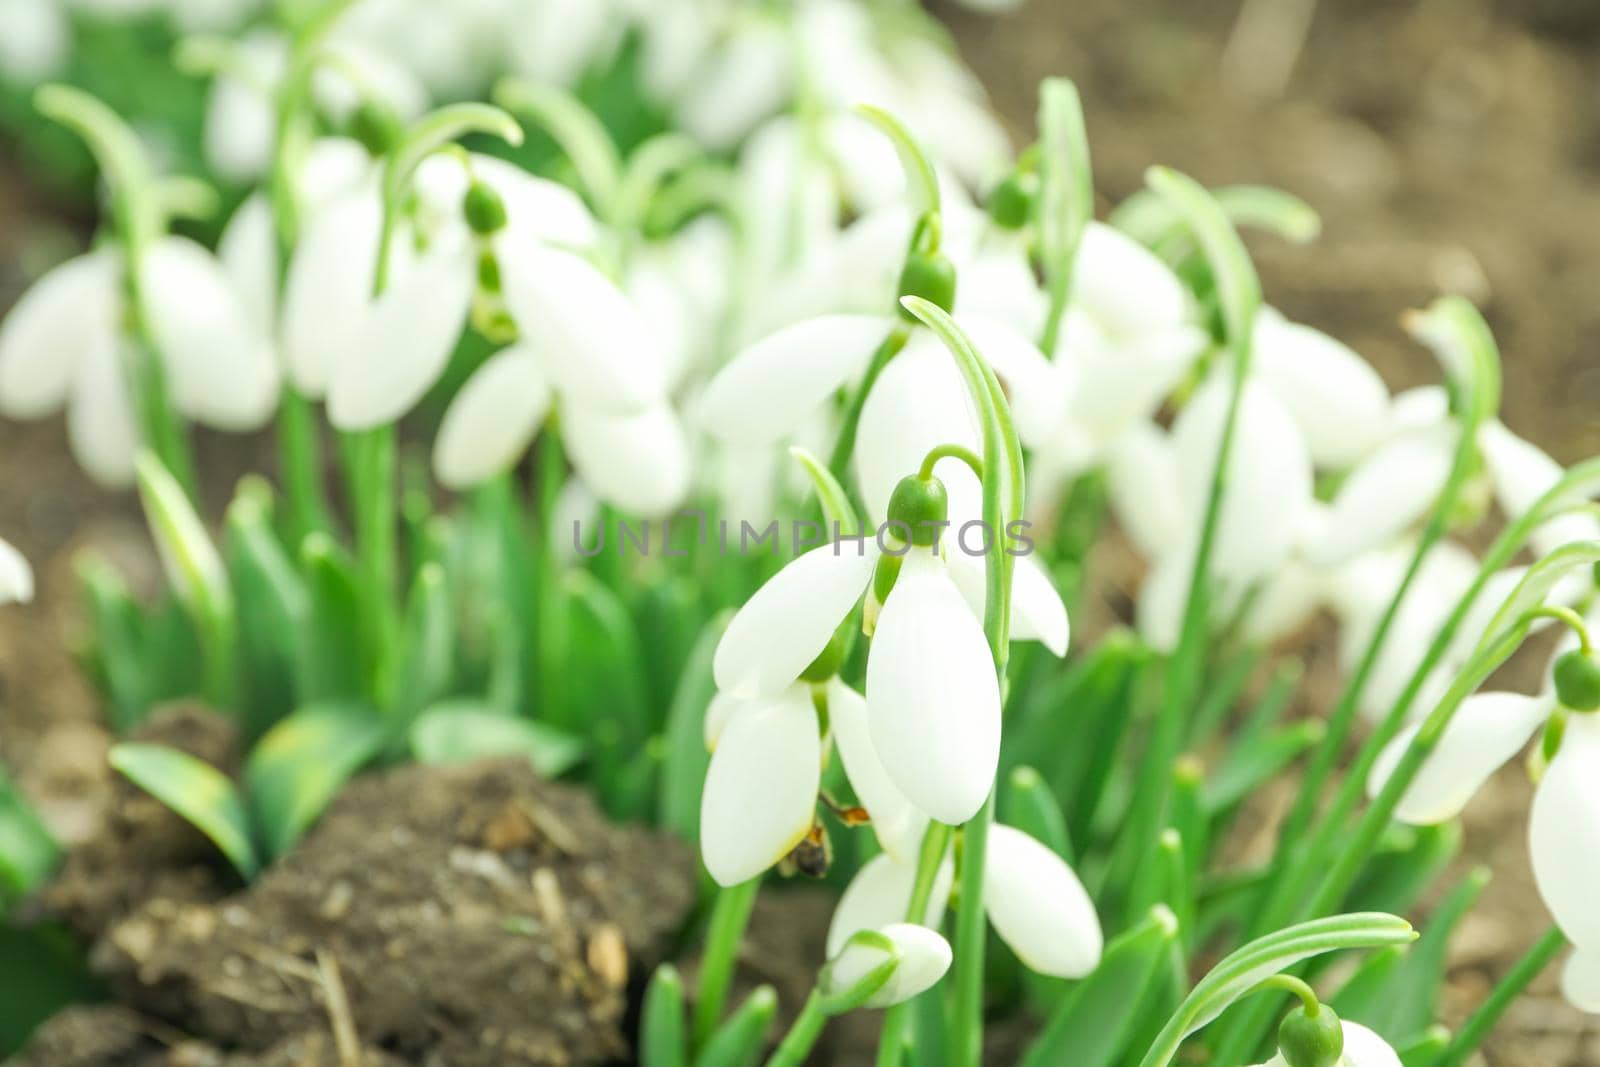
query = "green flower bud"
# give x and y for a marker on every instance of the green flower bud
(1306, 1040)
(833, 655)
(931, 276)
(1010, 204)
(922, 506)
(1577, 678)
(376, 126)
(484, 209)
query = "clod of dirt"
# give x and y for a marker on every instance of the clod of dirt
(142, 850)
(473, 915)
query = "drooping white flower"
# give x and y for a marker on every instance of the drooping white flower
(933, 699)
(896, 821)
(1362, 1048)
(1039, 907)
(64, 344)
(35, 40)
(1564, 833)
(880, 893)
(1580, 980)
(761, 787)
(922, 955)
(1336, 398)
(16, 577)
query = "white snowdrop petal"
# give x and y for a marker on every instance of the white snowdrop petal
(1142, 478)
(1037, 610)
(1120, 381)
(924, 958)
(1387, 493)
(719, 713)
(1564, 832)
(932, 698)
(334, 167)
(761, 787)
(328, 288)
(1033, 385)
(1268, 487)
(101, 427)
(35, 40)
(1339, 402)
(248, 251)
(594, 344)
(492, 419)
(918, 403)
(1487, 731)
(791, 618)
(1124, 285)
(895, 820)
(770, 388)
(1580, 980)
(1522, 472)
(636, 462)
(241, 123)
(16, 577)
(739, 85)
(1163, 596)
(537, 209)
(50, 331)
(221, 368)
(1363, 1048)
(880, 893)
(1038, 906)
(404, 343)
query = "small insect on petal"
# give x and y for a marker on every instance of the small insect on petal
(761, 788)
(1038, 906)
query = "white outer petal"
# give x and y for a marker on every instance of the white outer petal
(1142, 477)
(492, 419)
(917, 403)
(924, 958)
(16, 577)
(595, 346)
(1037, 610)
(636, 462)
(328, 288)
(761, 787)
(1363, 1048)
(932, 697)
(1124, 285)
(1487, 731)
(895, 820)
(719, 713)
(1338, 400)
(248, 251)
(35, 40)
(1120, 381)
(100, 419)
(1038, 906)
(1580, 980)
(774, 385)
(1268, 488)
(51, 330)
(1163, 595)
(1387, 492)
(404, 342)
(879, 894)
(1033, 384)
(1564, 832)
(221, 368)
(791, 618)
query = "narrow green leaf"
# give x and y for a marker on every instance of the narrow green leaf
(1146, 218)
(1066, 193)
(1426, 1050)
(337, 649)
(198, 792)
(428, 643)
(273, 607)
(683, 771)
(922, 182)
(837, 511)
(1091, 1026)
(663, 1040)
(739, 1040)
(300, 765)
(463, 731)
(1396, 878)
(116, 653)
(1246, 767)
(1360, 998)
(50, 974)
(1410, 1000)
(1028, 804)
(27, 851)
(581, 136)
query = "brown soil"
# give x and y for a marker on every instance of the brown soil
(473, 915)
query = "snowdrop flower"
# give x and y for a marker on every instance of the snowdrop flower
(1036, 903)
(16, 577)
(921, 957)
(35, 40)
(65, 344)
(1396, 485)
(1362, 1048)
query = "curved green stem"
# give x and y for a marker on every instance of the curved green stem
(950, 451)
(922, 181)
(796, 1046)
(729, 917)
(844, 447)
(1290, 984)
(1573, 621)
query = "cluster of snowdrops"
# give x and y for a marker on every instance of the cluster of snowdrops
(817, 287)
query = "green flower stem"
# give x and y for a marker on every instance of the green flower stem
(961, 452)
(729, 917)
(797, 1044)
(935, 842)
(1512, 986)
(844, 447)
(1572, 620)
(1290, 984)
(371, 467)
(300, 466)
